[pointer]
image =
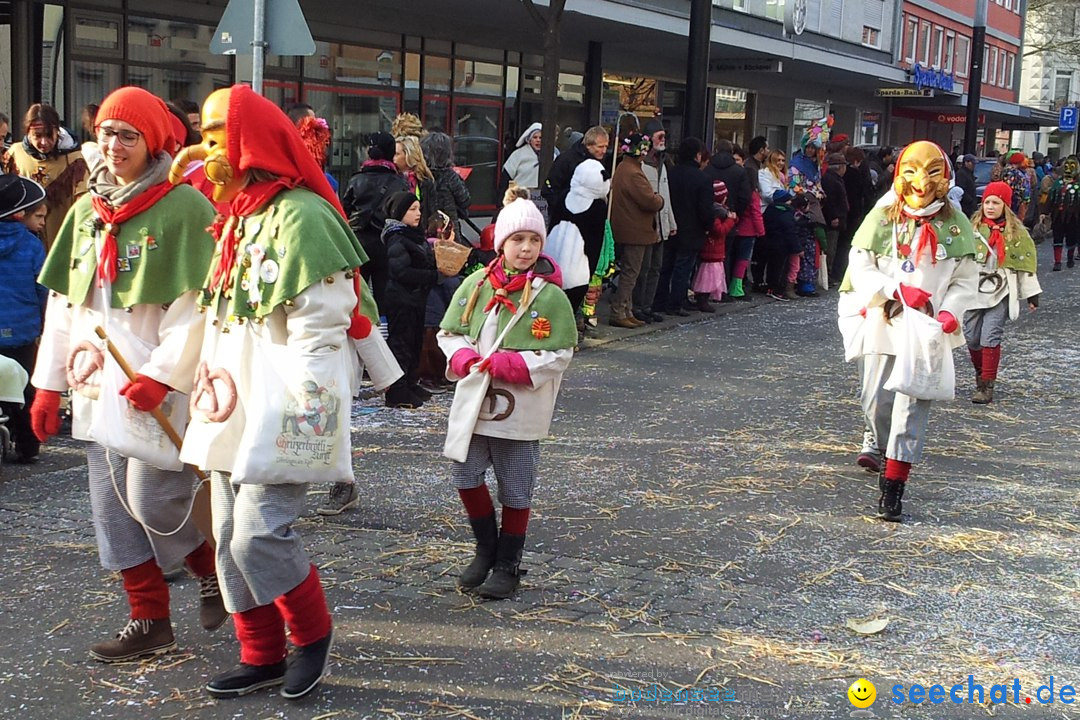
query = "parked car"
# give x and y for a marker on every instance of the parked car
(983, 168)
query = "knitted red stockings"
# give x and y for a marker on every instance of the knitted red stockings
(991, 358)
(515, 521)
(897, 470)
(261, 632)
(305, 612)
(200, 561)
(148, 595)
(477, 501)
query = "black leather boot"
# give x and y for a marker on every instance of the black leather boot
(889, 506)
(506, 576)
(486, 531)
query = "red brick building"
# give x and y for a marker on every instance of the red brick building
(935, 50)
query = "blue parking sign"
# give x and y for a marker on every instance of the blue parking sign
(1068, 118)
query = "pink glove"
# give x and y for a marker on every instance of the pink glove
(463, 360)
(913, 296)
(145, 393)
(509, 367)
(45, 414)
(948, 322)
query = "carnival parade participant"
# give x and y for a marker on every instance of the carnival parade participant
(130, 258)
(804, 178)
(512, 321)
(279, 300)
(913, 249)
(1063, 207)
(1007, 276)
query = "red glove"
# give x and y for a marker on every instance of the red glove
(45, 414)
(463, 360)
(145, 393)
(509, 367)
(948, 322)
(914, 297)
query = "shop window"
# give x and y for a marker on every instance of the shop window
(169, 83)
(91, 82)
(1062, 87)
(571, 88)
(354, 64)
(871, 37)
(152, 40)
(52, 55)
(807, 112)
(436, 73)
(97, 34)
(911, 38)
(963, 55)
(478, 78)
(870, 128)
(936, 47)
(352, 114)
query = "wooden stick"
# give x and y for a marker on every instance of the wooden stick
(156, 412)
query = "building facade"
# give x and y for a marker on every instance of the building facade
(474, 67)
(1050, 79)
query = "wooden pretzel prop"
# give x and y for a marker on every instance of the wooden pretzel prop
(78, 375)
(216, 408)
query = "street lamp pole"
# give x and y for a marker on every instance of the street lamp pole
(697, 70)
(978, 43)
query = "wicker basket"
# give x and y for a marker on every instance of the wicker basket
(450, 257)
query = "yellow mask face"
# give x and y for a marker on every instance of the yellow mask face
(213, 151)
(922, 175)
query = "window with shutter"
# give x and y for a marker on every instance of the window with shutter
(873, 13)
(835, 18)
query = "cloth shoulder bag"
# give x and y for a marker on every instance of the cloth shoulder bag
(924, 366)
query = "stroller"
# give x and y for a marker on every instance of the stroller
(13, 380)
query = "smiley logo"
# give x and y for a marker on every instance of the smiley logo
(862, 693)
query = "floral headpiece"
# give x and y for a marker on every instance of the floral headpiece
(635, 145)
(817, 135)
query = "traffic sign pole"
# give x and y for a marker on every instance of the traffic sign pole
(258, 47)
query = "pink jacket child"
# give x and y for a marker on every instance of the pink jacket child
(709, 279)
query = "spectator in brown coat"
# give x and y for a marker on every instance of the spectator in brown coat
(634, 206)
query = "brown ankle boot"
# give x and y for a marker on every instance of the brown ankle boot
(984, 392)
(138, 639)
(789, 292)
(212, 612)
(984, 395)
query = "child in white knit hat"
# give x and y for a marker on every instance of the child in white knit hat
(509, 335)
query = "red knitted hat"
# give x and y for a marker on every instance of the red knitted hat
(145, 112)
(261, 136)
(1001, 190)
(1017, 158)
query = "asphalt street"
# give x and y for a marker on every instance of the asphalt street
(699, 526)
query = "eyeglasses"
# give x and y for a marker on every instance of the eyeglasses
(128, 138)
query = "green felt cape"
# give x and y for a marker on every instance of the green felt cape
(1019, 247)
(550, 311)
(875, 234)
(161, 253)
(304, 240)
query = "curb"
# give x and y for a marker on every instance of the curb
(612, 334)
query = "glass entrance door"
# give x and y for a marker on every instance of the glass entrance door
(477, 132)
(353, 114)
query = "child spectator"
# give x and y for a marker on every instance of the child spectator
(710, 280)
(412, 274)
(34, 218)
(782, 246)
(22, 299)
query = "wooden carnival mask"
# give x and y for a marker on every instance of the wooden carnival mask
(922, 175)
(213, 151)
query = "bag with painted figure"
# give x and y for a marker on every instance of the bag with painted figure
(923, 368)
(297, 427)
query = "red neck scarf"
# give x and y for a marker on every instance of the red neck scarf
(925, 236)
(997, 238)
(109, 220)
(504, 285)
(247, 201)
